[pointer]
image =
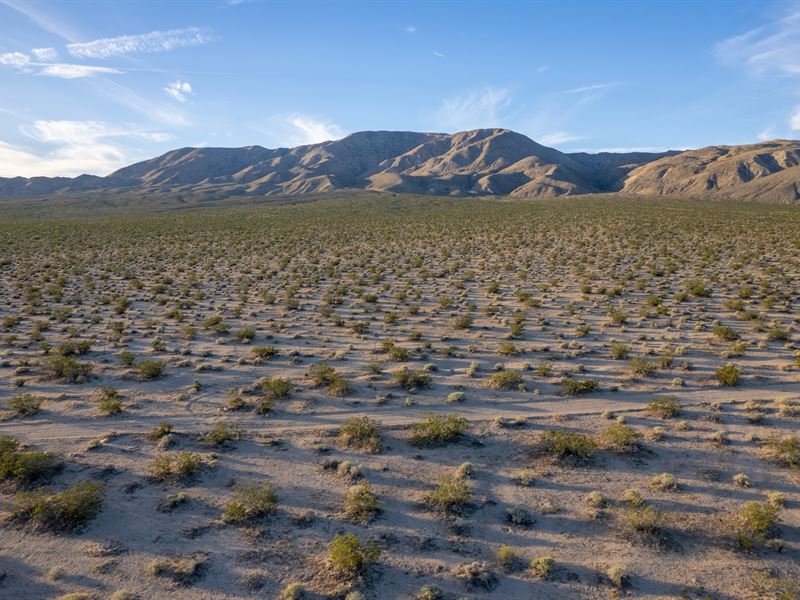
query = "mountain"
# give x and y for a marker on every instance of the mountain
(469, 163)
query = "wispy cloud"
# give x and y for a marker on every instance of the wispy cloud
(438, 54)
(410, 29)
(308, 130)
(68, 71)
(179, 90)
(16, 60)
(155, 41)
(45, 54)
(774, 47)
(475, 109)
(71, 148)
(794, 120)
(42, 19)
(556, 138)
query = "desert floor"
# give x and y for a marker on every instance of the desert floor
(663, 333)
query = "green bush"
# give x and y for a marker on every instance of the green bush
(619, 350)
(567, 444)
(728, 375)
(23, 466)
(276, 387)
(360, 502)
(754, 521)
(641, 519)
(436, 430)
(505, 380)
(410, 379)
(176, 466)
(264, 352)
(220, 434)
(127, 358)
(361, 433)
(151, 369)
(664, 407)
(450, 495)
(110, 403)
(349, 557)
(574, 387)
(251, 500)
(67, 369)
(621, 438)
(725, 333)
(784, 450)
(60, 512)
(642, 367)
(323, 374)
(24, 405)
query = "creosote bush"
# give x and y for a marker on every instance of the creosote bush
(451, 494)
(567, 444)
(436, 430)
(361, 433)
(753, 522)
(410, 379)
(349, 556)
(360, 502)
(728, 375)
(176, 466)
(664, 407)
(24, 405)
(23, 466)
(251, 500)
(574, 387)
(621, 438)
(505, 380)
(151, 369)
(58, 512)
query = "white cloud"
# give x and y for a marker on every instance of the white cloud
(155, 41)
(772, 48)
(474, 110)
(307, 130)
(71, 148)
(14, 59)
(179, 90)
(767, 134)
(794, 120)
(438, 54)
(410, 29)
(45, 54)
(556, 138)
(592, 88)
(542, 68)
(67, 71)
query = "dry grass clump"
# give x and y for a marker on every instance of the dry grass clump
(783, 450)
(180, 570)
(664, 407)
(477, 575)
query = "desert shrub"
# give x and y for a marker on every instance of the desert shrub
(664, 407)
(784, 450)
(619, 350)
(73, 348)
(505, 555)
(429, 592)
(517, 515)
(176, 466)
(621, 438)
(778, 334)
(110, 402)
(641, 519)
(151, 369)
(293, 591)
(127, 358)
(665, 482)
(505, 379)
(507, 349)
(220, 434)
(728, 375)
(276, 387)
(24, 405)
(264, 352)
(245, 335)
(726, 333)
(161, 430)
(436, 430)
(451, 494)
(215, 324)
(409, 379)
(567, 444)
(360, 502)
(462, 322)
(543, 566)
(574, 387)
(754, 521)
(180, 570)
(349, 556)
(59, 512)
(361, 433)
(617, 316)
(323, 374)
(642, 367)
(66, 368)
(476, 574)
(359, 327)
(23, 466)
(395, 352)
(251, 500)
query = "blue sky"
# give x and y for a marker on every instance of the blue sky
(92, 86)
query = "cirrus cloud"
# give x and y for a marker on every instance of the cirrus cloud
(155, 41)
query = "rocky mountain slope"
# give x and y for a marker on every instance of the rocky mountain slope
(469, 163)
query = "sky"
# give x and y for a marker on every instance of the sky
(88, 87)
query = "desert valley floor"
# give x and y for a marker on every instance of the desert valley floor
(402, 397)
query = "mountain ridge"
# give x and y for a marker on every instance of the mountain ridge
(479, 162)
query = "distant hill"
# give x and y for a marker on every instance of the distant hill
(469, 163)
